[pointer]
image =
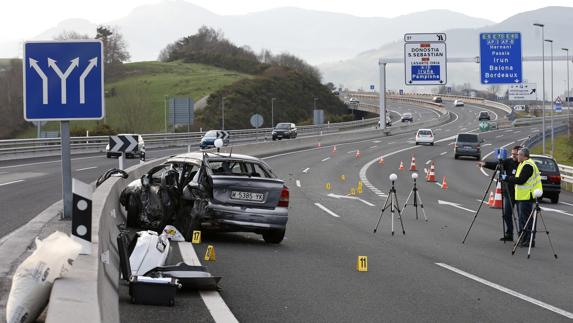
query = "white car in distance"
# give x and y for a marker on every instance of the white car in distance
(458, 103)
(425, 136)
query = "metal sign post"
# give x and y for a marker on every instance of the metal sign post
(63, 81)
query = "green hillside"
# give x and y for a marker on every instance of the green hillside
(135, 101)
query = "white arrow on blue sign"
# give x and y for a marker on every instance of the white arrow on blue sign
(500, 58)
(63, 80)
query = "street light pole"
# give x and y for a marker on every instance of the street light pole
(273, 112)
(552, 131)
(222, 113)
(543, 86)
(566, 99)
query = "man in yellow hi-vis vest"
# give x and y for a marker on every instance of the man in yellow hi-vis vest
(527, 179)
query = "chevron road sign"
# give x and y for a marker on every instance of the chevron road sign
(123, 143)
(222, 134)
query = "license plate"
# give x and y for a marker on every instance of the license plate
(543, 178)
(247, 196)
(467, 147)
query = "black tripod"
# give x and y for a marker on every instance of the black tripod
(497, 171)
(535, 213)
(417, 197)
(392, 203)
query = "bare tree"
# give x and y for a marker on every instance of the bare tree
(11, 99)
(70, 35)
(115, 48)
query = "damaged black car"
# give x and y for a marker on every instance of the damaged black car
(200, 191)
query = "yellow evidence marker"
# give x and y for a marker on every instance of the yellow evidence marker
(210, 254)
(359, 189)
(352, 191)
(328, 186)
(343, 177)
(360, 185)
(362, 263)
(196, 237)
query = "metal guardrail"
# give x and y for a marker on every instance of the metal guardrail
(98, 143)
(537, 120)
(566, 171)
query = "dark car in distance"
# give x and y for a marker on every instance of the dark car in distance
(284, 130)
(483, 116)
(407, 117)
(437, 99)
(550, 176)
(467, 144)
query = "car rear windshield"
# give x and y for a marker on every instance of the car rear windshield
(424, 132)
(466, 137)
(546, 165)
(283, 125)
(239, 168)
(484, 114)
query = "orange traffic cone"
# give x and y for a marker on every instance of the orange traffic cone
(432, 173)
(357, 153)
(491, 200)
(413, 164)
(497, 201)
(444, 184)
(381, 161)
(401, 165)
(334, 150)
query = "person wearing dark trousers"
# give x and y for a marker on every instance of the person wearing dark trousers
(509, 168)
(527, 179)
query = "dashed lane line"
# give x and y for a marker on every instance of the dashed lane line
(322, 207)
(82, 169)
(304, 171)
(442, 154)
(298, 183)
(506, 290)
(327, 158)
(12, 182)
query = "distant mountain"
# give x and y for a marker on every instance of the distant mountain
(315, 36)
(362, 70)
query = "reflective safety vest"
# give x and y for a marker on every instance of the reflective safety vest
(525, 192)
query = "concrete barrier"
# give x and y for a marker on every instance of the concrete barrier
(89, 292)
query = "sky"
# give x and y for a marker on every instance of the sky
(21, 19)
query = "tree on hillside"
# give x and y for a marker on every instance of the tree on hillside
(297, 64)
(70, 34)
(11, 99)
(114, 48)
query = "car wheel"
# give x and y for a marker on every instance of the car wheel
(431, 144)
(133, 207)
(142, 157)
(554, 198)
(108, 155)
(274, 138)
(274, 235)
(456, 156)
(416, 143)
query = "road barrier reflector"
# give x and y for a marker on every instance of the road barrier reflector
(343, 178)
(328, 186)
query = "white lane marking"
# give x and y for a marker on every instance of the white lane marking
(376, 141)
(518, 131)
(439, 129)
(327, 158)
(483, 171)
(336, 196)
(373, 147)
(522, 139)
(566, 203)
(13, 182)
(390, 143)
(535, 130)
(506, 290)
(462, 129)
(447, 130)
(322, 207)
(80, 169)
(298, 183)
(429, 161)
(48, 162)
(485, 145)
(304, 171)
(351, 152)
(456, 205)
(555, 210)
(499, 136)
(442, 154)
(212, 299)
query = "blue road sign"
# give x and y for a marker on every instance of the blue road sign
(372, 87)
(500, 58)
(63, 80)
(558, 105)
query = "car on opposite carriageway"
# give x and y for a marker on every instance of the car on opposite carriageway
(550, 176)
